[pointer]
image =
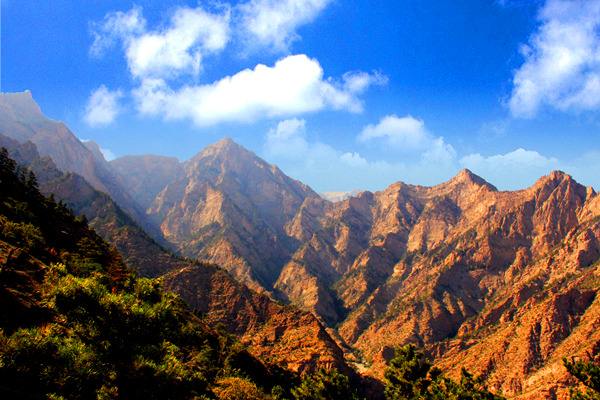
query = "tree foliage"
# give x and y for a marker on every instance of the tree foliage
(411, 376)
(587, 374)
(325, 385)
(76, 324)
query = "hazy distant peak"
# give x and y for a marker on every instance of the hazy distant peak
(227, 152)
(21, 106)
(142, 158)
(94, 148)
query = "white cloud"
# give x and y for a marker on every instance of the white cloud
(516, 169)
(404, 132)
(192, 33)
(562, 60)
(102, 107)
(273, 23)
(294, 85)
(327, 168)
(159, 58)
(408, 134)
(116, 26)
(439, 152)
(288, 138)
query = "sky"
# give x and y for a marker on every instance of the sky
(340, 94)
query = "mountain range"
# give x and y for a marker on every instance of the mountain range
(503, 283)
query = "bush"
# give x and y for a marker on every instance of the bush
(236, 388)
(411, 376)
(588, 375)
(325, 385)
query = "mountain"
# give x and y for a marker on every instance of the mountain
(21, 119)
(76, 324)
(284, 335)
(140, 251)
(463, 270)
(209, 290)
(145, 176)
(502, 283)
(446, 267)
(339, 196)
(232, 208)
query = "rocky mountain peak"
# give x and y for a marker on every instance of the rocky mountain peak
(561, 182)
(554, 178)
(466, 177)
(224, 148)
(20, 104)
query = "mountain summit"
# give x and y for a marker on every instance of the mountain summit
(231, 207)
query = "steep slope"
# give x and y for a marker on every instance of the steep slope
(140, 251)
(407, 264)
(22, 120)
(498, 271)
(209, 290)
(231, 208)
(76, 324)
(503, 283)
(279, 334)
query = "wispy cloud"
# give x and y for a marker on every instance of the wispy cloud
(274, 23)
(102, 107)
(561, 66)
(516, 169)
(331, 169)
(328, 168)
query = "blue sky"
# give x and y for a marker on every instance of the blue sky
(340, 94)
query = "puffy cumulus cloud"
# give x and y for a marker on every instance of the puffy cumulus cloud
(294, 85)
(561, 66)
(178, 48)
(327, 168)
(192, 33)
(274, 23)
(102, 107)
(404, 132)
(160, 58)
(514, 170)
(287, 139)
(408, 134)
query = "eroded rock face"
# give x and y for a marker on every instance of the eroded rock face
(503, 283)
(232, 208)
(439, 266)
(273, 332)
